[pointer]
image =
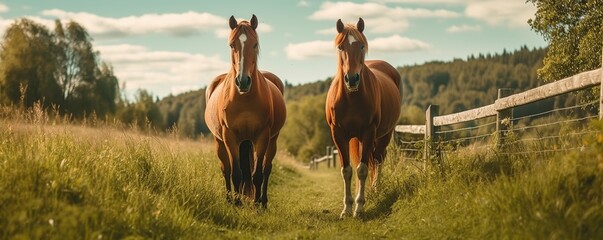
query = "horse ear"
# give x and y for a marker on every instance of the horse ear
(254, 22)
(339, 26)
(360, 25)
(232, 22)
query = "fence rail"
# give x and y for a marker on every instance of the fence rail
(330, 158)
(502, 109)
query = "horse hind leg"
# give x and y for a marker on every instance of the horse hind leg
(246, 153)
(265, 170)
(379, 155)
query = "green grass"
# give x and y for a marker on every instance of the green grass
(73, 182)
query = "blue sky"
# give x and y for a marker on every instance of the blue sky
(169, 47)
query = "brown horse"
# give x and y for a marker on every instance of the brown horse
(362, 109)
(245, 112)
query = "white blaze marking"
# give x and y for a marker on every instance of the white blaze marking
(351, 39)
(242, 39)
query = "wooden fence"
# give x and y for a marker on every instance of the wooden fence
(502, 109)
(330, 158)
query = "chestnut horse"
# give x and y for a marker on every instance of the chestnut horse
(245, 111)
(362, 109)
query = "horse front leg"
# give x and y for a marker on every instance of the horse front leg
(232, 148)
(362, 170)
(342, 144)
(225, 167)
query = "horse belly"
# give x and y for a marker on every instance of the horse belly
(279, 111)
(390, 109)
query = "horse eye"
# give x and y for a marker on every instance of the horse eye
(255, 46)
(362, 47)
(232, 46)
(340, 47)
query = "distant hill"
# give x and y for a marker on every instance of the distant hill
(455, 85)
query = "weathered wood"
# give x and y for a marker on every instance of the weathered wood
(476, 113)
(430, 114)
(570, 84)
(503, 118)
(412, 129)
(601, 90)
(574, 83)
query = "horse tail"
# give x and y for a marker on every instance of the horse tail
(246, 153)
(372, 166)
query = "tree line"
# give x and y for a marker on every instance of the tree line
(60, 70)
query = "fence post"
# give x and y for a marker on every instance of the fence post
(334, 153)
(328, 154)
(601, 90)
(432, 111)
(503, 118)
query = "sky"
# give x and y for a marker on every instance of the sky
(171, 47)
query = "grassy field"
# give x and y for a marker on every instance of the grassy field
(73, 182)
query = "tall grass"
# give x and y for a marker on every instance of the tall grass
(61, 181)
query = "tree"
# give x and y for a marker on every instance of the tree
(27, 65)
(574, 31)
(78, 71)
(306, 131)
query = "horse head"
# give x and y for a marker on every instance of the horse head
(244, 48)
(352, 48)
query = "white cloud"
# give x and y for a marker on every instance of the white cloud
(303, 3)
(176, 24)
(312, 49)
(423, 1)
(336, 10)
(305, 50)
(463, 28)
(501, 12)
(378, 18)
(3, 8)
(375, 25)
(396, 43)
(173, 72)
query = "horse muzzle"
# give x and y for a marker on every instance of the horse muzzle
(243, 83)
(352, 81)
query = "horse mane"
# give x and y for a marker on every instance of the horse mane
(351, 29)
(243, 27)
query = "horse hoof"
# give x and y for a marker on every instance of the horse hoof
(344, 215)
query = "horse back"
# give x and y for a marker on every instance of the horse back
(212, 86)
(385, 68)
(274, 80)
